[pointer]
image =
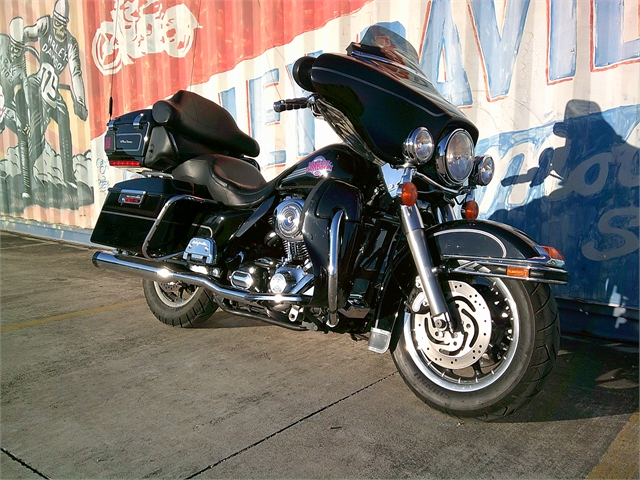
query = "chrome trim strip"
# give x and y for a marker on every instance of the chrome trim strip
(538, 262)
(121, 214)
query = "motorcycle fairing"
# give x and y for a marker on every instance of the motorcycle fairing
(360, 90)
(483, 247)
(324, 201)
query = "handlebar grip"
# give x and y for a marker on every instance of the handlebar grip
(290, 104)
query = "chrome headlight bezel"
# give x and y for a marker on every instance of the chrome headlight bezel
(455, 159)
(418, 148)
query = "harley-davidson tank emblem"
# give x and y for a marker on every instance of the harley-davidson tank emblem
(319, 166)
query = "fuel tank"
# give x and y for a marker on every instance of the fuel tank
(333, 161)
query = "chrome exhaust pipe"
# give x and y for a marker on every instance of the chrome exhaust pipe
(165, 273)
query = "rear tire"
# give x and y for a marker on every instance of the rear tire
(498, 376)
(178, 304)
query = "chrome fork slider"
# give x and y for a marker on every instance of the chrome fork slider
(413, 228)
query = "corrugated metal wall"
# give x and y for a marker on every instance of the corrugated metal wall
(552, 85)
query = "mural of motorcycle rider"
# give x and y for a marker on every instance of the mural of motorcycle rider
(58, 48)
(13, 75)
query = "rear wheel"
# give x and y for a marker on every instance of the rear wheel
(179, 304)
(497, 359)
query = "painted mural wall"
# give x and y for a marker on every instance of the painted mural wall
(553, 86)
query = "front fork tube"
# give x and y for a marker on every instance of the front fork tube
(413, 229)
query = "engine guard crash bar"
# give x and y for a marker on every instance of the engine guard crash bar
(150, 270)
(332, 280)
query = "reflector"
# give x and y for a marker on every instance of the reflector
(124, 163)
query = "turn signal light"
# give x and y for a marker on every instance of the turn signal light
(470, 210)
(553, 253)
(409, 194)
(519, 272)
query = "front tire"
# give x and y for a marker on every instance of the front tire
(506, 346)
(178, 304)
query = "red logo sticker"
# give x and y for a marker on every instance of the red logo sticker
(319, 166)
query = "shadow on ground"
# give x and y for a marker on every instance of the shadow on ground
(591, 379)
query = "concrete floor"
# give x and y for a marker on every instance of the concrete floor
(93, 386)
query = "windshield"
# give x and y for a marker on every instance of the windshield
(392, 46)
(395, 55)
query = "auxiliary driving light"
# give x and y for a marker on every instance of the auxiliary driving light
(419, 145)
(483, 170)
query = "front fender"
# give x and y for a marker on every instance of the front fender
(467, 247)
(482, 247)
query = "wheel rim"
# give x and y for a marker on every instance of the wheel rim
(438, 364)
(175, 294)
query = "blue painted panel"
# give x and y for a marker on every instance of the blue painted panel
(593, 214)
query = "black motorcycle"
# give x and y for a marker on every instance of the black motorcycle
(376, 237)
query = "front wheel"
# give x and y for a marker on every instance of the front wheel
(178, 304)
(498, 357)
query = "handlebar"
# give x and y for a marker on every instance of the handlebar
(291, 104)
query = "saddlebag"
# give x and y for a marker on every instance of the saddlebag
(132, 207)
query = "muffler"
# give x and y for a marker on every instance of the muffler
(165, 273)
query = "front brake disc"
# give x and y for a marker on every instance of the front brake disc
(463, 347)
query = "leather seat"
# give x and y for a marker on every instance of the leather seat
(204, 121)
(230, 181)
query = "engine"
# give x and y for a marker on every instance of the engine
(290, 273)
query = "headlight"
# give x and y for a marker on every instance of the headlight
(455, 159)
(419, 145)
(483, 170)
